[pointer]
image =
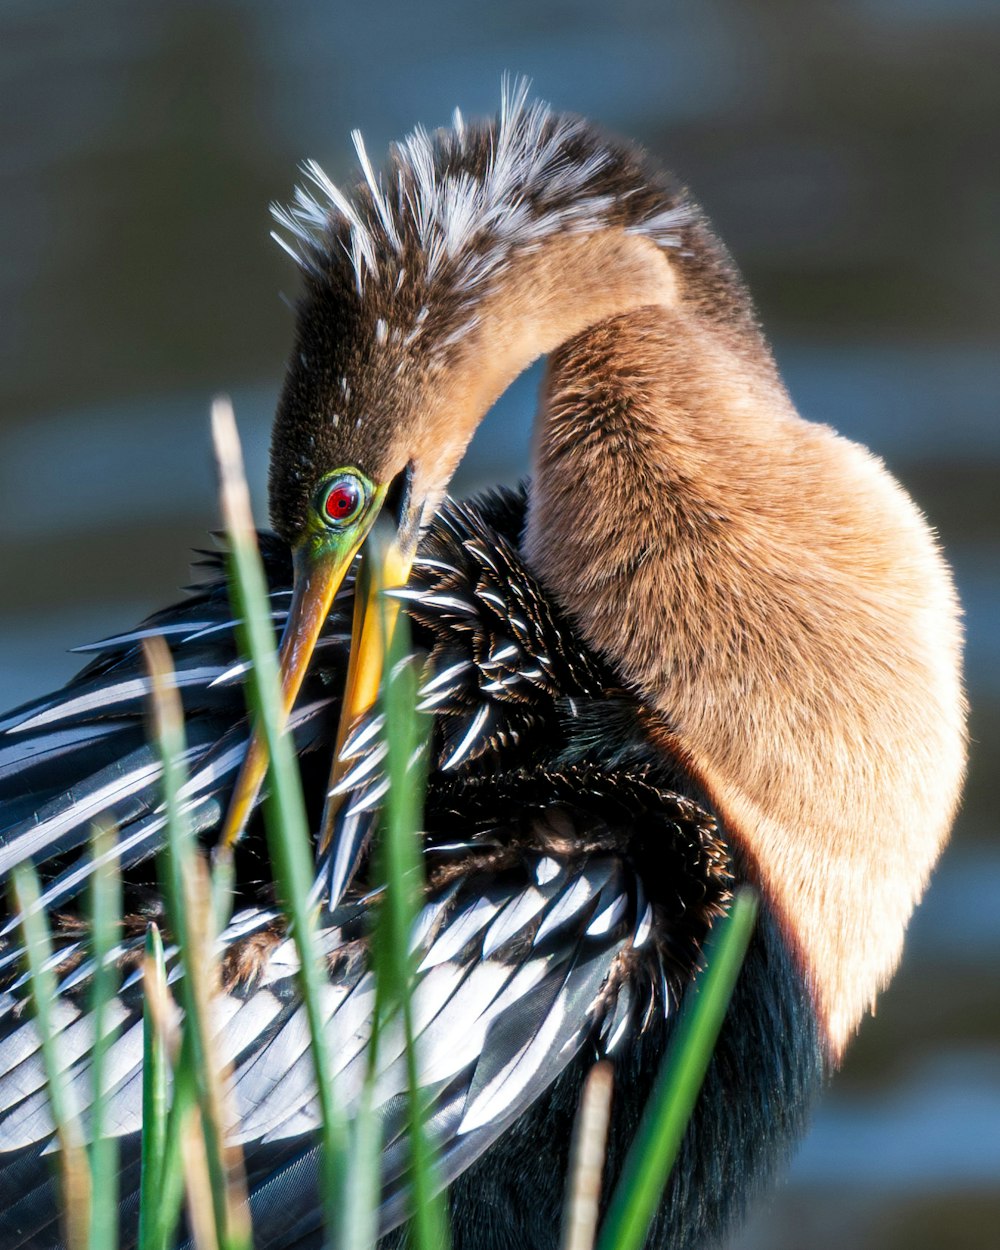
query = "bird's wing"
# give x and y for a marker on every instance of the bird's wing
(515, 975)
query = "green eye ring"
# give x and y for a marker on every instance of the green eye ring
(342, 499)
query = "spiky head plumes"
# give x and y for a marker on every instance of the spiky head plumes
(399, 275)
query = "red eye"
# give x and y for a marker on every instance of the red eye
(342, 499)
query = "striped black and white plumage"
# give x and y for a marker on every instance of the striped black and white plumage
(573, 871)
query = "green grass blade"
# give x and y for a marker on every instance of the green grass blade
(285, 817)
(183, 1106)
(155, 1063)
(105, 921)
(72, 1158)
(191, 911)
(401, 867)
(654, 1150)
(359, 1228)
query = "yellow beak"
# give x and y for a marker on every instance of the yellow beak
(318, 577)
(384, 566)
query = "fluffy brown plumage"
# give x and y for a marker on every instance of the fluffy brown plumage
(780, 600)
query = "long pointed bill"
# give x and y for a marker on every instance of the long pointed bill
(385, 565)
(318, 577)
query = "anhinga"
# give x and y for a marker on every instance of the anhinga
(712, 642)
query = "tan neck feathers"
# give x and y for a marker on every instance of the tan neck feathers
(774, 593)
(547, 297)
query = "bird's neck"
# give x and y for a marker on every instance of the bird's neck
(770, 590)
(546, 298)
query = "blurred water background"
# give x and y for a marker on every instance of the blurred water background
(848, 155)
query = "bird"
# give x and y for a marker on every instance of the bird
(709, 643)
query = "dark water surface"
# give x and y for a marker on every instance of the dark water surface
(847, 154)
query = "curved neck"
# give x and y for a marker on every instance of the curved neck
(772, 592)
(763, 584)
(546, 298)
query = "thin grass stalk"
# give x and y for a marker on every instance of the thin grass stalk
(198, 1196)
(105, 925)
(285, 817)
(167, 1190)
(652, 1153)
(402, 871)
(74, 1169)
(191, 912)
(183, 1110)
(359, 1229)
(214, 1108)
(587, 1156)
(155, 1063)
(363, 1179)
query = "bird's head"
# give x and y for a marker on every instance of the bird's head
(427, 290)
(373, 419)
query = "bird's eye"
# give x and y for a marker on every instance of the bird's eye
(342, 499)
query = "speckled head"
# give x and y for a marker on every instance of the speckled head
(429, 288)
